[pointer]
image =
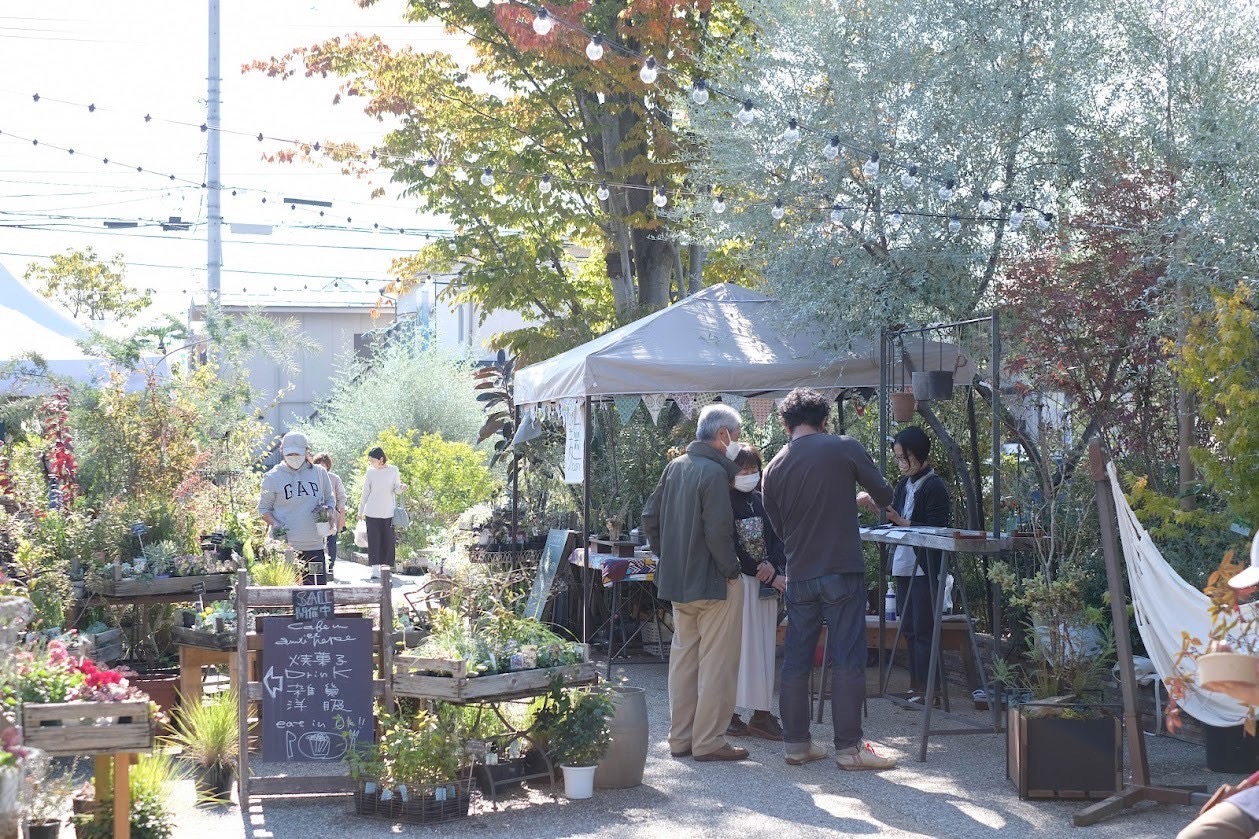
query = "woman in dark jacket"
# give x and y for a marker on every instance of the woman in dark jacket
(762, 559)
(921, 498)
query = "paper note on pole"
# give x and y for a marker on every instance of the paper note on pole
(575, 444)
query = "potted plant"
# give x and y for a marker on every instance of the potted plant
(574, 724)
(45, 799)
(324, 524)
(209, 735)
(417, 771)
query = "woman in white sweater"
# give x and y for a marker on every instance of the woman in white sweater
(381, 487)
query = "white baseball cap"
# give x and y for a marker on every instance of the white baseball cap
(1249, 577)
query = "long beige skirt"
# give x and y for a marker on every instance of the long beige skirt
(755, 688)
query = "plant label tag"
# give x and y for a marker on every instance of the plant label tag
(1241, 527)
(198, 588)
(402, 792)
(439, 794)
(386, 794)
(369, 788)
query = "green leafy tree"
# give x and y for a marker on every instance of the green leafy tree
(88, 286)
(530, 105)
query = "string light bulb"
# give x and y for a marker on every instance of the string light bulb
(837, 214)
(747, 113)
(871, 169)
(792, 134)
(487, 176)
(986, 204)
(895, 221)
(1016, 217)
(602, 192)
(955, 224)
(719, 205)
(1045, 221)
(909, 178)
(542, 23)
(481, 4)
(544, 186)
(649, 72)
(699, 92)
(660, 199)
(832, 149)
(946, 192)
(430, 168)
(594, 49)
(777, 210)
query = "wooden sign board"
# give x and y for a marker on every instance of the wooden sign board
(559, 543)
(316, 688)
(313, 603)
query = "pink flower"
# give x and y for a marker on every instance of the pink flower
(57, 653)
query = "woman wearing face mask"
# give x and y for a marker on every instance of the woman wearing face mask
(921, 498)
(381, 487)
(761, 557)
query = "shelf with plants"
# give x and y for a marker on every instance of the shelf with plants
(159, 570)
(213, 628)
(495, 655)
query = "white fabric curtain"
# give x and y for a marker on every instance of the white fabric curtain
(1167, 606)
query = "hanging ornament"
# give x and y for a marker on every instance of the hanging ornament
(487, 177)
(837, 215)
(719, 205)
(649, 72)
(602, 192)
(594, 49)
(946, 192)
(792, 134)
(986, 204)
(777, 210)
(542, 23)
(832, 149)
(955, 224)
(699, 92)
(1045, 221)
(1016, 217)
(746, 114)
(660, 199)
(430, 168)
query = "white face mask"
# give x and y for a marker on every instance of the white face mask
(294, 461)
(747, 483)
(732, 449)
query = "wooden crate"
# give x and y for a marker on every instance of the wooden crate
(164, 585)
(88, 728)
(410, 679)
(204, 638)
(102, 647)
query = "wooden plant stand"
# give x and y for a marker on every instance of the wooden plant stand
(459, 686)
(114, 733)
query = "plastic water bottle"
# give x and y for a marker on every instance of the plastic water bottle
(889, 605)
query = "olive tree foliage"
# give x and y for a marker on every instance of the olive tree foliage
(1031, 101)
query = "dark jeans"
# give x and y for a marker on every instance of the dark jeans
(314, 572)
(331, 551)
(839, 601)
(915, 606)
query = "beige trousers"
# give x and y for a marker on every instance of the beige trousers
(703, 670)
(1223, 821)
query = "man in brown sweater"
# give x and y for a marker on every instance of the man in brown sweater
(810, 493)
(689, 523)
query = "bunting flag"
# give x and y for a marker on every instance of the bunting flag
(761, 407)
(654, 402)
(625, 406)
(735, 401)
(685, 403)
(705, 398)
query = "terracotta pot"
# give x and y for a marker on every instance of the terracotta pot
(1217, 670)
(903, 406)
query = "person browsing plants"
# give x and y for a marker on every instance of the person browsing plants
(291, 493)
(382, 484)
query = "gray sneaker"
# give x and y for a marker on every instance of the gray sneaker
(798, 754)
(863, 756)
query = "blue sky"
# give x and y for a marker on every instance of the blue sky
(143, 57)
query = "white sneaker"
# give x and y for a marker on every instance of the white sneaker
(798, 754)
(863, 756)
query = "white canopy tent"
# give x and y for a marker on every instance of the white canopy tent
(31, 324)
(723, 339)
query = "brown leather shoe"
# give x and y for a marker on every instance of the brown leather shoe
(765, 725)
(686, 753)
(726, 752)
(737, 727)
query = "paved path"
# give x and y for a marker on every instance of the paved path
(961, 791)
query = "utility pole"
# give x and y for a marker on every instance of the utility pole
(214, 221)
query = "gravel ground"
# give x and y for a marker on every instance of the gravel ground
(960, 791)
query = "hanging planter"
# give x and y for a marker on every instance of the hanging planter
(940, 384)
(921, 386)
(903, 406)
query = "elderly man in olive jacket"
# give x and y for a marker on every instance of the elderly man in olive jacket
(689, 523)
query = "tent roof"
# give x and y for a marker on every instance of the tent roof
(723, 339)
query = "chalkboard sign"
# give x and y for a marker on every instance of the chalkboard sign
(198, 588)
(558, 545)
(317, 688)
(313, 603)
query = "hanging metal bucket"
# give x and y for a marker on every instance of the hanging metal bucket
(922, 386)
(940, 384)
(903, 406)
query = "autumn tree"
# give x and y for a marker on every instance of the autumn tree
(88, 286)
(531, 106)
